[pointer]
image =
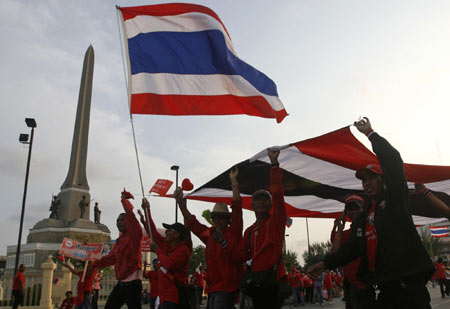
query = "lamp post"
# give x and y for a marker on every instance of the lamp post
(176, 168)
(23, 138)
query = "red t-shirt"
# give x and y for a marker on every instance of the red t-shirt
(293, 280)
(68, 303)
(351, 268)
(371, 238)
(126, 254)
(327, 282)
(198, 277)
(266, 240)
(440, 270)
(152, 275)
(19, 281)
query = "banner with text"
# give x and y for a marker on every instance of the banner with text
(81, 251)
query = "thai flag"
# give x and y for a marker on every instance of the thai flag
(318, 175)
(439, 231)
(182, 62)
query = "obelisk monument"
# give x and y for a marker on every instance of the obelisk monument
(76, 186)
(67, 218)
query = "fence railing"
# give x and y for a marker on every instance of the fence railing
(33, 289)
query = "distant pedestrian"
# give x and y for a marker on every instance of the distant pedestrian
(68, 302)
(152, 276)
(18, 290)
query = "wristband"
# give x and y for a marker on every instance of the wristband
(275, 164)
(369, 134)
(427, 193)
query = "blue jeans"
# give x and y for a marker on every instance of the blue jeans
(298, 296)
(222, 300)
(87, 302)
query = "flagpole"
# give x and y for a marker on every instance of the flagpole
(307, 234)
(128, 87)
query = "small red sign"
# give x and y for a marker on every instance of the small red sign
(161, 186)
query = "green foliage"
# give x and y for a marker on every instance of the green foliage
(198, 257)
(290, 260)
(207, 215)
(317, 252)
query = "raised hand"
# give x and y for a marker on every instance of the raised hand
(273, 155)
(363, 125)
(145, 204)
(234, 174)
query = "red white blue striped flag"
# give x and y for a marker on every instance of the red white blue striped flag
(182, 62)
(439, 231)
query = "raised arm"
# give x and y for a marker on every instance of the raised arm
(158, 238)
(132, 224)
(277, 190)
(336, 235)
(437, 207)
(181, 201)
(390, 161)
(237, 223)
(69, 267)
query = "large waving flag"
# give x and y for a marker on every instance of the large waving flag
(318, 173)
(182, 62)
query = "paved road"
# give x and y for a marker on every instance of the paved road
(436, 302)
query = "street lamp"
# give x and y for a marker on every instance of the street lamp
(176, 168)
(23, 138)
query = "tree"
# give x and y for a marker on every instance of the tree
(198, 257)
(290, 260)
(317, 252)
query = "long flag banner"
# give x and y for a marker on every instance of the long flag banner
(182, 62)
(318, 173)
(439, 231)
(81, 251)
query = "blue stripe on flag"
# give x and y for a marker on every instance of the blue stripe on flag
(202, 52)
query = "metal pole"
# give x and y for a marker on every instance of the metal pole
(19, 241)
(176, 203)
(307, 234)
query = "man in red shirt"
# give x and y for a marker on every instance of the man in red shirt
(18, 290)
(224, 271)
(357, 295)
(262, 244)
(126, 258)
(199, 282)
(84, 287)
(295, 281)
(152, 275)
(173, 254)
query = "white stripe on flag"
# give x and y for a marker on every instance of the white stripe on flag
(189, 22)
(190, 84)
(294, 161)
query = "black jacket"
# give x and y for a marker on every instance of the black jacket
(400, 253)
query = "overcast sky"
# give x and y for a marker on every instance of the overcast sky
(332, 61)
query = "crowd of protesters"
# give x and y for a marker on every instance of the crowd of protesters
(383, 261)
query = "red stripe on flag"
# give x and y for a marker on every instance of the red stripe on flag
(176, 105)
(342, 148)
(169, 9)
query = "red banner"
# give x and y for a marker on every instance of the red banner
(81, 251)
(161, 186)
